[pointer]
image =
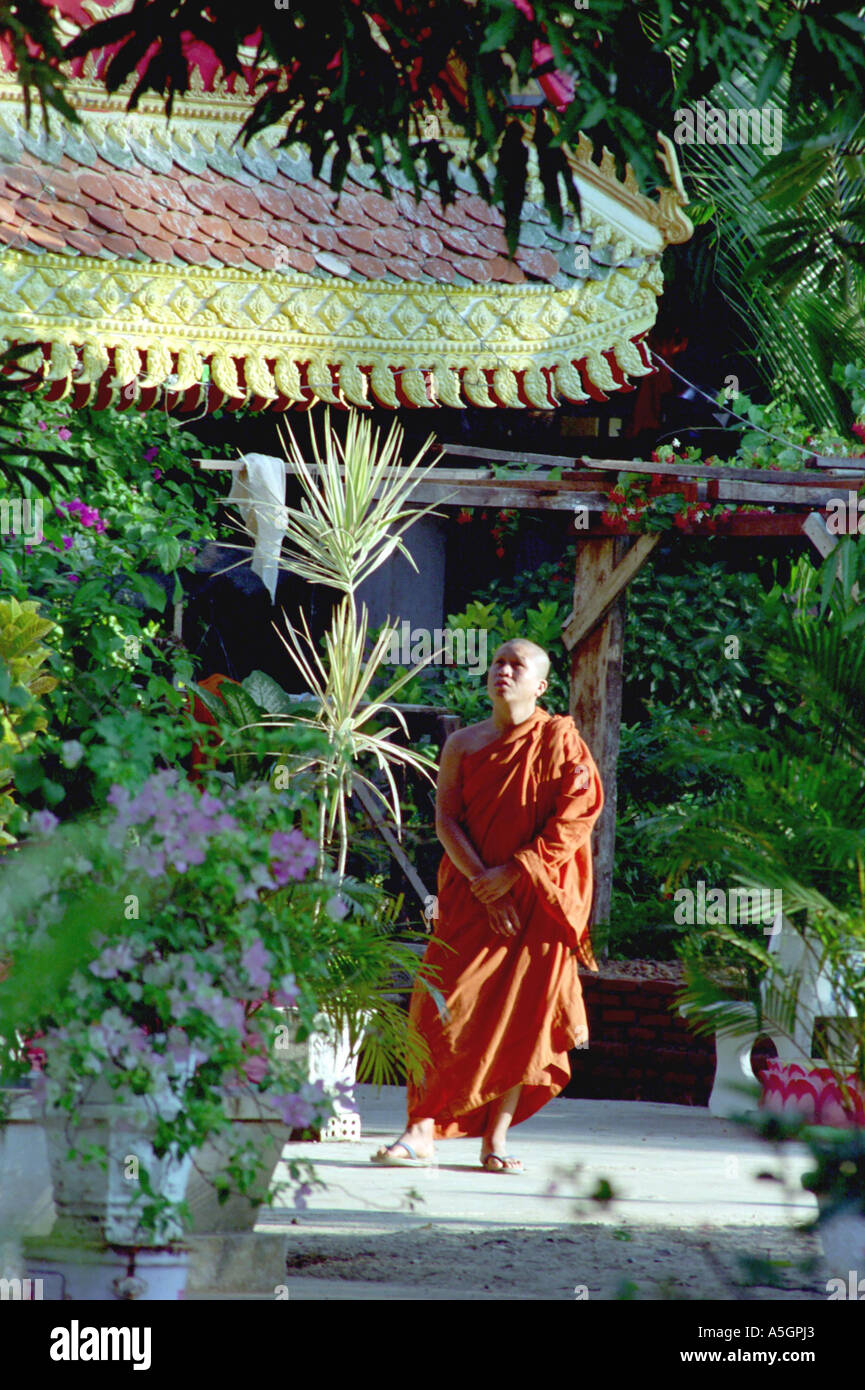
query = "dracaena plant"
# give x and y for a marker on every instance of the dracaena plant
(355, 509)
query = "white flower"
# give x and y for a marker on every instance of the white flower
(71, 752)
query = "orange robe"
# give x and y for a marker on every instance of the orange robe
(515, 1003)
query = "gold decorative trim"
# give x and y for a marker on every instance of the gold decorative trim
(128, 328)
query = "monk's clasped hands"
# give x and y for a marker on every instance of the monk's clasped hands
(494, 883)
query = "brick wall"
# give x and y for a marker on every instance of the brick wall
(639, 1046)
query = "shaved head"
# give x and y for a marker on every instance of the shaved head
(532, 652)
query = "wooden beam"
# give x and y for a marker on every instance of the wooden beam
(372, 810)
(723, 470)
(593, 605)
(596, 700)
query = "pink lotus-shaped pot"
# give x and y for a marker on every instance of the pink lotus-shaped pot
(815, 1094)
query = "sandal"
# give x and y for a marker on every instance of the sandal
(502, 1160)
(386, 1157)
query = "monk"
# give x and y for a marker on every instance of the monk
(517, 797)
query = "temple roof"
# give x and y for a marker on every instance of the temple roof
(158, 259)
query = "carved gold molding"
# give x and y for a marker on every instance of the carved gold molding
(128, 330)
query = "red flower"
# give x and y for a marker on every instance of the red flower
(500, 551)
(464, 516)
(859, 431)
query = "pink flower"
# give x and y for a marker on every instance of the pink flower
(150, 454)
(42, 425)
(64, 433)
(859, 430)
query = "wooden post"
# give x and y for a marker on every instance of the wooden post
(596, 698)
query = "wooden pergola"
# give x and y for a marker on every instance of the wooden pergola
(606, 563)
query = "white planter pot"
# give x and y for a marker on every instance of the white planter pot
(328, 1057)
(842, 1237)
(95, 1203)
(26, 1200)
(251, 1123)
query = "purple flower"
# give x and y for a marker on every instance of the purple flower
(157, 474)
(112, 960)
(296, 1113)
(88, 515)
(64, 433)
(43, 823)
(292, 855)
(100, 526)
(150, 454)
(68, 542)
(42, 425)
(73, 578)
(28, 550)
(288, 993)
(255, 962)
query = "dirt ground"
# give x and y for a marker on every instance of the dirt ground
(591, 1261)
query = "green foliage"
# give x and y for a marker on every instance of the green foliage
(793, 818)
(690, 639)
(124, 510)
(22, 683)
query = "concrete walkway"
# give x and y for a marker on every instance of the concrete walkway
(672, 1165)
(687, 1195)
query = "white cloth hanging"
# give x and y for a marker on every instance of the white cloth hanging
(258, 492)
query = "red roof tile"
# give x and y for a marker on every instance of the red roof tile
(112, 219)
(297, 260)
(97, 186)
(156, 248)
(247, 230)
(426, 240)
(541, 263)
(120, 245)
(70, 215)
(22, 180)
(228, 253)
(191, 251)
(207, 196)
(472, 267)
(380, 209)
(278, 224)
(311, 205)
(370, 266)
(241, 200)
(360, 238)
(439, 270)
(148, 223)
(84, 242)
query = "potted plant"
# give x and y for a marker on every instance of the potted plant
(146, 953)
